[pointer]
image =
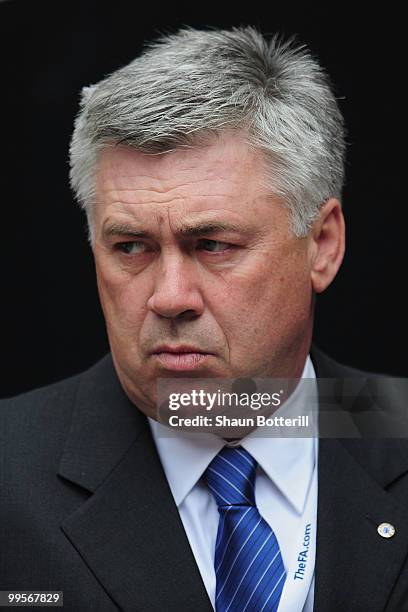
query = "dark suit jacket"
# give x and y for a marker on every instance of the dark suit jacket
(85, 507)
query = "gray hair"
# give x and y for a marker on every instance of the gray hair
(195, 84)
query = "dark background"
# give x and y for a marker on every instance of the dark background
(52, 325)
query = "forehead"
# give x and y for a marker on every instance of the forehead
(224, 177)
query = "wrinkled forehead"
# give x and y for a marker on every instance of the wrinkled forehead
(225, 177)
(227, 163)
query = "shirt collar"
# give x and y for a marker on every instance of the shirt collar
(288, 462)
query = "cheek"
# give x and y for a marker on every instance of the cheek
(270, 296)
(123, 298)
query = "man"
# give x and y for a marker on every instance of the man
(210, 169)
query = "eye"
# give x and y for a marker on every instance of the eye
(213, 246)
(133, 247)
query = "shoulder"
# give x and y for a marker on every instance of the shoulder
(61, 392)
(327, 367)
(379, 400)
(41, 400)
(33, 427)
(41, 417)
(28, 409)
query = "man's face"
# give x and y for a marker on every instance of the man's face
(198, 271)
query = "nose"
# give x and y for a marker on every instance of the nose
(176, 291)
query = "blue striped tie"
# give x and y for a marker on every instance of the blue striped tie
(248, 563)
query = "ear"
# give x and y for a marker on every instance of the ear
(327, 244)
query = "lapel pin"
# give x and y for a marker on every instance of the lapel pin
(386, 530)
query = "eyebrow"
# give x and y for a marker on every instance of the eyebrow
(208, 227)
(186, 231)
(122, 229)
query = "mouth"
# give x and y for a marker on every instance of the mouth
(180, 358)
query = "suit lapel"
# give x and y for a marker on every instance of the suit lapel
(356, 568)
(128, 532)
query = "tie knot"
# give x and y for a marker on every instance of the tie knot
(231, 477)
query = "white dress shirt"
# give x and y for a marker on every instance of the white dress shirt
(286, 490)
